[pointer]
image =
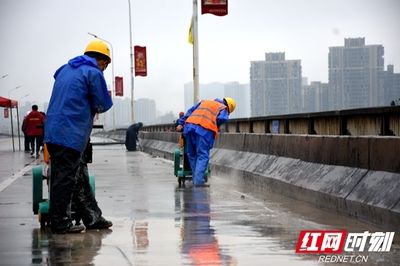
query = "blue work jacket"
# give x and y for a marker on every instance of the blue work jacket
(79, 92)
(222, 117)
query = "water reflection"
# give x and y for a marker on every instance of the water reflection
(68, 249)
(140, 235)
(199, 242)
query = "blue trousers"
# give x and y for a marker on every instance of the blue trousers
(198, 151)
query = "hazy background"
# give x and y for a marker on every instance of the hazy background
(38, 36)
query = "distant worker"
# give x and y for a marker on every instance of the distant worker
(200, 127)
(34, 130)
(131, 136)
(181, 114)
(27, 141)
(79, 92)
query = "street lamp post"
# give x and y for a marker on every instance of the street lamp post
(132, 80)
(112, 73)
(195, 54)
(13, 89)
(12, 125)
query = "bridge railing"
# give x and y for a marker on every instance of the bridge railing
(376, 121)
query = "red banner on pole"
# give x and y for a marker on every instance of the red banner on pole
(140, 61)
(5, 112)
(215, 7)
(119, 86)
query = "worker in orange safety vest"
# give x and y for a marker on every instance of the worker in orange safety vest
(200, 127)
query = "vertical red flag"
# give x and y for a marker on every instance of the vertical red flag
(119, 86)
(140, 61)
(215, 7)
(5, 112)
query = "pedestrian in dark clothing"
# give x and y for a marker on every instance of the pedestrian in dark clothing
(34, 129)
(132, 136)
(79, 92)
(27, 140)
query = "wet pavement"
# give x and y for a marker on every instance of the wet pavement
(158, 223)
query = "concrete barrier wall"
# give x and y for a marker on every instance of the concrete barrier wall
(373, 153)
(355, 176)
(377, 121)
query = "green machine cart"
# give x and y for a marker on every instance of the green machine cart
(182, 168)
(41, 204)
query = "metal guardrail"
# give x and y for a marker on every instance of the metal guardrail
(375, 121)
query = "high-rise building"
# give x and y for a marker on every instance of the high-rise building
(391, 86)
(315, 97)
(235, 90)
(309, 98)
(241, 94)
(145, 111)
(275, 85)
(355, 70)
(120, 111)
(206, 91)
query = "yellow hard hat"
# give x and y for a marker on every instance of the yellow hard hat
(100, 47)
(230, 103)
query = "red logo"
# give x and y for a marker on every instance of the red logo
(321, 241)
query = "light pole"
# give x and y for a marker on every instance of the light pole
(112, 73)
(132, 80)
(12, 125)
(13, 89)
(26, 95)
(195, 54)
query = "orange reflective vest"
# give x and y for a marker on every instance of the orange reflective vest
(206, 115)
(46, 154)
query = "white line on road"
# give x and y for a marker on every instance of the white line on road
(11, 179)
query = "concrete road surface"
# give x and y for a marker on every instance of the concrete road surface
(157, 223)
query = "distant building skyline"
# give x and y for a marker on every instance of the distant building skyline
(275, 85)
(357, 78)
(315, 97)
(391, 86)
(239, 92)
(355, 70)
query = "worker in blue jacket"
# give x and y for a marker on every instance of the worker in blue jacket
(79, 92)
(200, 127)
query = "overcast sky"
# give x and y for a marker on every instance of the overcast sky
(38, 36)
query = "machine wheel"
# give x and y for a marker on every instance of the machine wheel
(44, 219)
(181, 181)
(177, 161)
(92, 182)
(207, 174)
(37, 188)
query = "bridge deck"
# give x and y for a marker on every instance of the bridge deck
(157, 223)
